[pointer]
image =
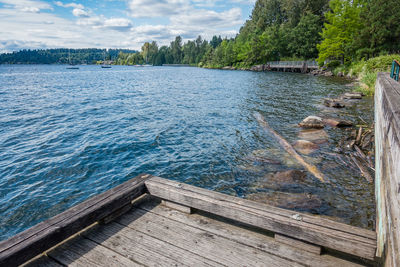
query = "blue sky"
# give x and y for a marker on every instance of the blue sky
(115, 23)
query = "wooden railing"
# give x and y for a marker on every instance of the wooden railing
(387, 175)
(293, 63)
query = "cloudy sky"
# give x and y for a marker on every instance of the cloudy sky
(115, 23)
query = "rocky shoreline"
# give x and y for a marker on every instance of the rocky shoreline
(355, 151)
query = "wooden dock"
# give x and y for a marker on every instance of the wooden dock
(292, 66)
(151, 221)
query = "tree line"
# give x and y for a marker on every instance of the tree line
(335, 31)
(341, 31)
(191, 52)
(61, 56)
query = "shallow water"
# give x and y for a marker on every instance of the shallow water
(66, 135)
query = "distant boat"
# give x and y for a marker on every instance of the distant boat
(105, 66)
(71, 66)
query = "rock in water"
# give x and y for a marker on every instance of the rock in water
(287, 177)
(352, 95)
(281, 179)
(305, 147)
(315, 136)
(337, 122)
(312, 122)
(287, 200)
(333, 103)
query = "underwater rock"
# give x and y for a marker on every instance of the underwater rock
(287, 177)
(263, 156)
(278, 154)
(337, 122)
(352, 95)
(305, 146)
(281, 179)
(333, 103)
(312, 122)
(315, 136)
(287, 200)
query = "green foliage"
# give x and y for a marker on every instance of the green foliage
(61, 56)
(191, 53)
(343, 23)
(382, 63)
(381, 28)
(333, 64)
(304, 37)
(366, 70)
(277, 29)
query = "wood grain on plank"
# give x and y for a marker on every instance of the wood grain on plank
(26, 245)
(143, 248)
(80, 250)
(43, 261)
(387, 182)
(176, 206)
(244, 236)
(200, 242)
(298, 243)
(265, 217)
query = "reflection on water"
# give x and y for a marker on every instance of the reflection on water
(66, 135)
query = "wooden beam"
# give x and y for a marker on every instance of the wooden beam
(298, 244)
(322, 232)
(176, 206)
(39, 238)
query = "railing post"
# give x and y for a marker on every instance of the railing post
(394, 73)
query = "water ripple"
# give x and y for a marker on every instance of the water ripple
(68, 135)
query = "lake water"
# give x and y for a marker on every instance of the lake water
(67, 135)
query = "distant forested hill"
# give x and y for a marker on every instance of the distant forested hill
(61, 56)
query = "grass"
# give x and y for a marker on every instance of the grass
(366, 71)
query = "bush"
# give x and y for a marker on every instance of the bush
(333, 64)
(382, 63)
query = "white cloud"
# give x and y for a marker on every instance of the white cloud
(209, 18)
(74, 5)
(31, 9)
(46, 30)
(77, 12)
(78, 9)
(29, 6)
(156, 8)
(91, 21)
(187, 18)
(119, 24)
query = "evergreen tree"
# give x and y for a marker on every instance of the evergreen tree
(381, 28)
(343, 23)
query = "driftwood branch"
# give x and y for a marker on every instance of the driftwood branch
(289, 149)
(364, 171)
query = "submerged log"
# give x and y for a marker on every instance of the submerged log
(311, 168)
(364, 171)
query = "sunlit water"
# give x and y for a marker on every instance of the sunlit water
(66, 135)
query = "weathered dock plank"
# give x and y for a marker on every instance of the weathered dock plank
(201, 242)
(342, 237)
(26, 245)
(236, 232)
(84, 252)
(43, 261)
(143, 248)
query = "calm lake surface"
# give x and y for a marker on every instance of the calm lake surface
(66, 135)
